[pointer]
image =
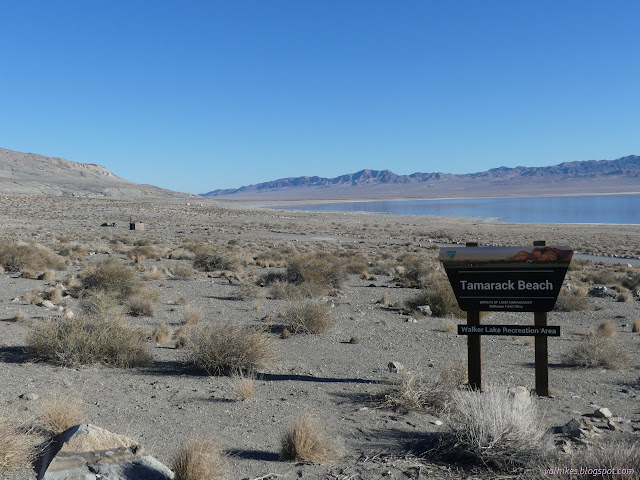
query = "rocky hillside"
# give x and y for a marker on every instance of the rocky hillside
(31, 174)
(588, 177)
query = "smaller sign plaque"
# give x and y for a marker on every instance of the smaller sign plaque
(520, 330)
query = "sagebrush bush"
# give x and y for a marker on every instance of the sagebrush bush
(307, 441)
(228, 348)
(17, 447)
(319, 268)
(499, 426)
(212, 261)
(110, 277)
(100, 304)
(88, 339)
(17, 256)
(200, 458)
(599, 351)
(161, 334)
(440, 298)
(139, 306)
(417, 271)
(192, 316)
(309, 317)
(573, 301)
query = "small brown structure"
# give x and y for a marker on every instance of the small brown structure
(135, 225)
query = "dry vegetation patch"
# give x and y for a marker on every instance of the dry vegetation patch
(61, 412)
(599, 351)
(17, 256)
(200, 458)
(229, 348)
(17, 448)
(309, 317)
(87, 339)
(307, 441)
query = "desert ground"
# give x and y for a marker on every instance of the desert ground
(340, 376)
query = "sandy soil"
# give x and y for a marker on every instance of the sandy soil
(339, 382)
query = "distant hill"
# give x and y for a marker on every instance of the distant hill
(587, 177)
(28, 173)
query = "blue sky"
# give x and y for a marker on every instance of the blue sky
(199, 95)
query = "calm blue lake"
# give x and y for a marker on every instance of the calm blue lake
(588, 209)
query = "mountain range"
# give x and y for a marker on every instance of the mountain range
(585, 177)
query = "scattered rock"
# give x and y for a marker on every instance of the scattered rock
(603, 413)
(425, 309)
(437, 422)
(30, 396)
(354, 340)
(47, 304)
(90, 452)
(395, 367)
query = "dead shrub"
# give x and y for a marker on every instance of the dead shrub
(598, 351)
(61, 412)
(499, 426)
(624, 295)
(87, 339)
(183, 272)
(416, 271)
(192, 316)
(248, 290)
(228, 348)
(307, 441)
(605, 329)
(280, 290)
(154, 273)
(140, 253)
(200, 458)
(573, 301)
(161, 334)
(19, 316)
(74, 252)
(17, 446)
(48, 275)
(100, 304)
(54, 294)
(309, 317)
(17, 256)
(636, 326)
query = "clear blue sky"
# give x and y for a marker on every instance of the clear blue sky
(199, 95)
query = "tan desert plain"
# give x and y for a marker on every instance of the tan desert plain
(219, 340)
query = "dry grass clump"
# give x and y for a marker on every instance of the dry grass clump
(18, 256)
(19, 316)
(139, 306)
(229, 348)
(499, 426)
(281, 290)
(601, 277)
(212, 261)
(48, 275)
(603, 460)
(110, 277)
(17, 448)
(140, 253)
(248, 290)
(309, 317)
(88, 339)
(244, 386)
(636, 326)
(307, 441)
(154, 273)
(598, 351)
(416, 271)
(183, 272)
(74, 252)
(199, 459)
(100, 304)
(61, 412)
(605, 329)
(440, 298)
(161, 334)
(624, 295)
(192, 316)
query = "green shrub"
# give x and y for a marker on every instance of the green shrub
(86, 339)
(228, 348)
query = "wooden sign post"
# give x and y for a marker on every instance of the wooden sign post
(520, 279)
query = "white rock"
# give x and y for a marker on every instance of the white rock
(395, 367)
(603, 413)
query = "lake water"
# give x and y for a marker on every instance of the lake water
(623, 209)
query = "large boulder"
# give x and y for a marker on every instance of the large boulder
(87, 452)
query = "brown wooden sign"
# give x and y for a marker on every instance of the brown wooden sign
(522, 279)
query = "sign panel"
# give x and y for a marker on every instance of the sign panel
(522, 279)
(520, 330)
